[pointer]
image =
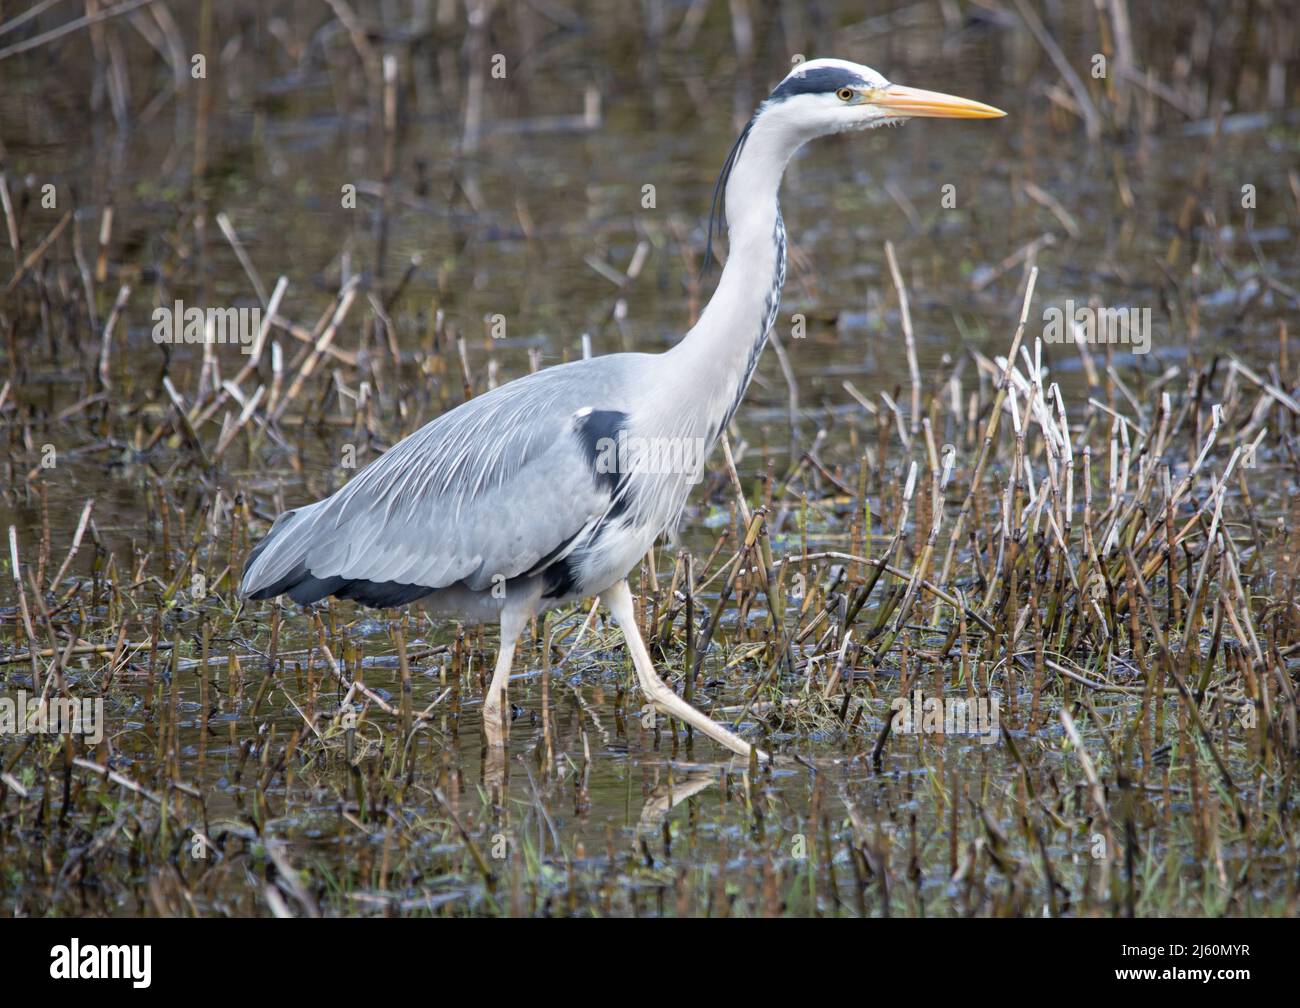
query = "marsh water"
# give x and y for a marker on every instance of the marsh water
(597, 146)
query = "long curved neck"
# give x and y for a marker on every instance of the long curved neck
(723, 347)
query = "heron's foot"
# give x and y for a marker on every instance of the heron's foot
(619, 599)
(668, 703)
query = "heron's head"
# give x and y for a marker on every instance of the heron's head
(825, 96)
(817, 98)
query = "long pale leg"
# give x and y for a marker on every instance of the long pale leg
(494, 699)
(619, 601)
(496, 719)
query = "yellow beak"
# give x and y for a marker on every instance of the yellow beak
(911, 101)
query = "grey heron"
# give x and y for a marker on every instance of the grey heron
(552, 487)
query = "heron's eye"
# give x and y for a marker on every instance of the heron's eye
(844, 94)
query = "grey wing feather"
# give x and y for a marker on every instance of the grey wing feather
(492, 488)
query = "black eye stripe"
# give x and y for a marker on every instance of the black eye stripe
(826, 80)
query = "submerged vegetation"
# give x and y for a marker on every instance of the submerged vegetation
(1017, 617)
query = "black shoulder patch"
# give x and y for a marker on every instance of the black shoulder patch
(559, 579)
(598, 433)
(823, 80)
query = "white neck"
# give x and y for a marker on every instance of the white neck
(723, 347)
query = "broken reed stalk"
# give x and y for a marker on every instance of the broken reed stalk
(990, 432)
